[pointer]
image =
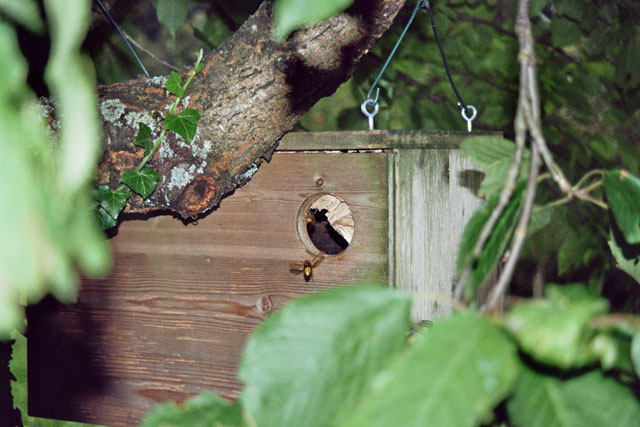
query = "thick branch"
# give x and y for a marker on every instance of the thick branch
(251, 91)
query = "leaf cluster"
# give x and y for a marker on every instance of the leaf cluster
(46, 224)
(143, 180)
(347, 358)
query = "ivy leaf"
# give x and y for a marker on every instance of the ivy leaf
(591, 399)
(106, 221)
(174, 84)
(206, 409)
(112, 201)
(293, 14)
(623, 194)
(185, 124)
(143, 139)
(143, 182)
(172, 14)
(557, 330)
(439, 383)
(311, 361)
(497, 241)
(627, 256)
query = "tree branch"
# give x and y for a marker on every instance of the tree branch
(250, 92)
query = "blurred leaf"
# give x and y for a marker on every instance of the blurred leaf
(184, 124)
(293, 14)
(204, 410)
(143, 182)
(25, 12)
(494, 155)
(47, 220)
(112, 201)
(564, 32)
(213, 33)
(312, 360)
(635, 352)
(623, 194)
(174, 84)
(627, 259)
(454, 374)
(540, 218)
(143, 139)
(497, 241)
(557, 330)
(590, 399)
(578, 249)
(488, 150)
(172, 14)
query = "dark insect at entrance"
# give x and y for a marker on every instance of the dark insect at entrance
(322, 234)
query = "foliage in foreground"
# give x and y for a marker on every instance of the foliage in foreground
(347, 358)
(47, 224)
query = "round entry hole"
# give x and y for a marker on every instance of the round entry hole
(325, 224)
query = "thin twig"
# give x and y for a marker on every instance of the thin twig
(151, 54)
(519, 235)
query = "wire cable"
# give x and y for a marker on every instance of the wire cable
(117, 27)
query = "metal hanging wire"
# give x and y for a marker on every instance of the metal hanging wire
(373, 102)
(117, 27)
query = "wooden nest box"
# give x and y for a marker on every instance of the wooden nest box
(171, 320)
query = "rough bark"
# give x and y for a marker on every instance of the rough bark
(251, 91)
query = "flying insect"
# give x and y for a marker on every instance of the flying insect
(306, 268)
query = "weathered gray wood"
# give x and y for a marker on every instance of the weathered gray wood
(374, 140)
(434, 198)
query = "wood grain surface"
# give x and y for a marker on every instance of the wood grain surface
(172, 319)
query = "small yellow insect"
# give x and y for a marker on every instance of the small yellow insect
(307, 267)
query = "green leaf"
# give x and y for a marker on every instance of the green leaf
(557, 330)
(494, 155)
(185, 124)
(206, 409)
(312, 360)
(454, 374)
(293, 14)
(627, 256)
(143, 139)
(623, 194)
(635, 352)
(143, 182)
(172, 14)
(26, 12)
(564, 32)
(112, 201)
(174, 84)
(578, 249)
(498, 240)
(105, 220)
(488, 150)
(590, 399)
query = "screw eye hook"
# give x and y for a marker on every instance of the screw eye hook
(474, 113)
(370, 114)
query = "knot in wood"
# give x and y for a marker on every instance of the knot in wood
(198, 195)
(285, 64)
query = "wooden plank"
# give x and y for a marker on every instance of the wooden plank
(375, 140)
(172, 319)
(434, 198)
